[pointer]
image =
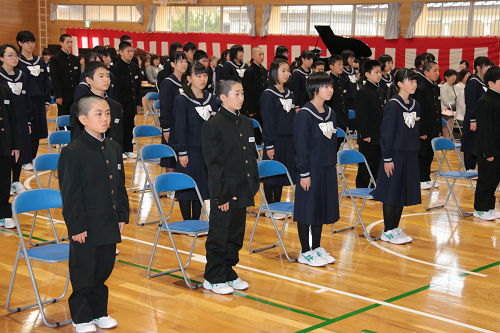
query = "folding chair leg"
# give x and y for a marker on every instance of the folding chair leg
(430, 194)
(133, 175)
(53, 230)
(140, 206)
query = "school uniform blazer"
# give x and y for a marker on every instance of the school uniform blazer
(9, 131)
(487, 111)
(299, 78)
(369, 105)
(231, 69)
(278, 115)
(428, 96)
(228, 146)
(254, 84)
(312, 147)
(64, 74)
(338, 102)
(189, 120)
(170, 88)
(128, 77)
(111, 92)
(473, 91)
(349, 75)
(92, 182)
(38, 77)
(115, 130)
(395, 133)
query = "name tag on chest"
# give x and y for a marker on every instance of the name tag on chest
(119, 166)
(251, 139)
(136, 77)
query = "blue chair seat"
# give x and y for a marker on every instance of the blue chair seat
(352, 136)
(282, 207)
(53, 253)
(458, 174)
(260, 147)
(360, 192)
(189, 226)
(153, 160)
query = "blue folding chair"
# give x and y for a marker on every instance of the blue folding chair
(58, 138)
(142, 131)
(169, 182)
(441, 146)
(351, 135)
(30, 201)
(345, 158)
(258, 147)
(458, 145)
(62, 121)
(271, 168)
(46, 162)
(152, 97)
(151, 153)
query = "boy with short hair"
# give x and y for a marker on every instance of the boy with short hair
(369, 105)
(95, 209)
(282, 51)
(233, 179)
(318, 66)
(189, 48)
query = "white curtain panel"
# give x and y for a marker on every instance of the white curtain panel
(153, 9)
(266, 17)
(53, 12)
(140, 9)
(392, 24)
(416, 11)
(251, 19)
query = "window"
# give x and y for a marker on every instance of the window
(127, 14)
(98, 13)
(204, 19)
(370, 20)
(235, 20)
(70, 12)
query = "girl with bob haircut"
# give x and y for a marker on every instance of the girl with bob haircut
(316, 198)
(398, 184)
(299, 77)
(386, 67)
(192, 108)
(235, 66)
(278, 113)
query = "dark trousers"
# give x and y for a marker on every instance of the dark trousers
(425, 157)
(488, 178)
(372, 154)
(225, 239)
(272, 193)
(470, 161)
(5, 206)
(89, 268)
(63, 110)
(129, 112)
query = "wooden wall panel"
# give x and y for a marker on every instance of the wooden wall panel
(16, 16)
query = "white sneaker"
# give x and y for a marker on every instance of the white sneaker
(17, 188)
(425, 185)
(321, 252)
(124, 156)
(7, 223)
(28, 167)
(238, 284)
(436, 185)
(393, 237)
(218, 288)
(495, 213)
(171, 195)
(402, 234)
(85, 327)
(117, 252)
(311, 258)
(131, 155)
(473, 171)
(487, 216)
(106, 322)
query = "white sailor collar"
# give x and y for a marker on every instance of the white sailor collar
(17, 75)
(236, 66)
(174, 79)
(400, 101)
(35, 60)
(350, 72)
(301, 71)
(389, 79)
(475, 77)
(275, 91)
(194, 101)
(312, 110)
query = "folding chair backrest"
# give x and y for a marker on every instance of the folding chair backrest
(443, 122)
(173, 181)
(271, 168)
(63, 121)
(45, 162)
(255, 123)
(153, 96)
(144, 131)
(439, 144)
(37, 199)
(156, 105)
(350, 157)
(57, 138)
(340, 133)
(352, 114)
(155, 151)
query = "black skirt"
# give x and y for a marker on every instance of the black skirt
(284, 152)
(39, 123)
(24, 132)
(403, 187)
(197, 170)
(468, 136)
(168, 162)
(319, 205)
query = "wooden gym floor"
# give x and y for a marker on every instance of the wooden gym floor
(445, 281)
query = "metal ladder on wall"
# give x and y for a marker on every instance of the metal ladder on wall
(43, 27)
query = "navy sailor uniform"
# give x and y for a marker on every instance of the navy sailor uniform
(230, 68)
(349, 75)
(299, 78)
(170, 88)
(315, 139)
(18, 83)
(474, 89)
(190, 115)
(278, 115)
(385, 83)
(338, 102)
(39, 92)
(400, 143)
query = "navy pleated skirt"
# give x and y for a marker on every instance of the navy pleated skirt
(24, 132)
(319, 205)
(284, 152)
(468, 136)
(197, 170)
(39, 123)
(403, 187)
(168, 162)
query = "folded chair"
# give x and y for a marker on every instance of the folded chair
(151, 153)
(351, 135)
(152, 97)
(345, 158)
(142, 131)
(58, 138)
(168, 182)
(32, 201)
(62, 121)
(270, 168)
(441, 146)
(258, 145)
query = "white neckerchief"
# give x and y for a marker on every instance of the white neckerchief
(177, 84)
(325, 126)
(239, 69)
(204, 109)
(409, 116)
(32, 67)
(387, 81)
(285, 101)
(15, 87)
(351, 74)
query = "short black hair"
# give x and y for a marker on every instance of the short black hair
(25, 36)
(273, 70)
(179, 55)
(492, 75)
(334, 58)
(63, 37)
(428, 56)
(92, 56)
(84, 104)
(481, 62)
(45, 52)
(125, 38)
(223, 56)
(307, 54)
(418, 61)
(318, 63)
(225, 85)
(369, 65)
(124, 45)
(280, 50)
(316, 81)
(384, 58)
(449, 72)
(173, 48)
(101, 50)
(400, 76)
(462, 74)
(466, 62)
(427, 66)
(4, 47)
(189, 46)
(199, 54)
(346, 54)
(280, 56)
(196, 68)
(233, 51)
(91, 67)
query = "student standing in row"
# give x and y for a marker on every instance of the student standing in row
(369, 106)
(299, 77)
(192, 108)
(189, 49)
(316, 200)
(349, 75)
(220, 66)
(338, 102)
(397, 184)
(103, 54)
(38, 87)
(386, 64)
(202, 57)
(235, 66)
(167, 67)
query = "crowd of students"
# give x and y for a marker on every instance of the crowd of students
(205, 106)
